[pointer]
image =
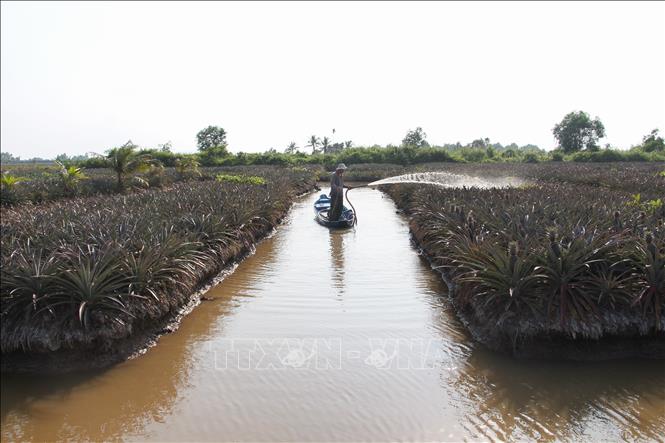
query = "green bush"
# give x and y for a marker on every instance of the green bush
(530, 157)
(557, 155)
(472, 155)
(244, 179)
(166, 158)
(401, 155)
(612, 155)
(94, 163)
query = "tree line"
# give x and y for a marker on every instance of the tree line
(577, 136)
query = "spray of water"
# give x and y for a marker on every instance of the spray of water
(448, 180)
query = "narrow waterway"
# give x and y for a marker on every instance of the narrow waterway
(335, 336)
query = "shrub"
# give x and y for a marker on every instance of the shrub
(557, 155)
(187, 167)
(244, 179)
(156, 176)
(530, 157)
(474, 155)
(94, 163)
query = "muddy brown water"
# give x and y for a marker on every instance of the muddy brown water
(335, 336)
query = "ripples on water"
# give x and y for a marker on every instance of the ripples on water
(335, 336)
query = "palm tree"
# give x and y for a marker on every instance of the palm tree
(291, 149)
(325, 144)
(125, 160)
(8, 181)
(187, 167)
(313, 143)
(7, 184)
(348, 144)
(70, 176)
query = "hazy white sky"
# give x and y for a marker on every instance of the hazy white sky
(80, 77)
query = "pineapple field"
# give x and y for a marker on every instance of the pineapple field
(82, 276)
(574, 257)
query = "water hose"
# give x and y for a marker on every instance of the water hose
(355, 213)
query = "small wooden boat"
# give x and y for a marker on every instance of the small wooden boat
(321, 209)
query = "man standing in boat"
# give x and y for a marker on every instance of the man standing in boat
(337, 192)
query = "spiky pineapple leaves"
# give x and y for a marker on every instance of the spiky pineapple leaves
(93, 281)
(99, 262)
(583, 267)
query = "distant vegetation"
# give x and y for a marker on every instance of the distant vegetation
(142, 168)
(416, 138)
(577, 134)
(129, 167)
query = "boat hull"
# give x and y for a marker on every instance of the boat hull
(322, 208)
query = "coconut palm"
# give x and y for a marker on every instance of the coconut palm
(313, 143)
(325, 144)
(187, 167)
(7, 184)
(70, 176)
(8, 181)
(125, 160)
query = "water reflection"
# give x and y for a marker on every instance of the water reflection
(337, 259)
(509, 399)
(102, 405)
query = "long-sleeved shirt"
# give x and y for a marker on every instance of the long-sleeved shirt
(336, 184)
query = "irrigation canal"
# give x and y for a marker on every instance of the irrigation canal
(335, 336)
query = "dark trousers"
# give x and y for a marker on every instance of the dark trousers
(336, 206)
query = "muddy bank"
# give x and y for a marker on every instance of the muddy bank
(116, 346)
